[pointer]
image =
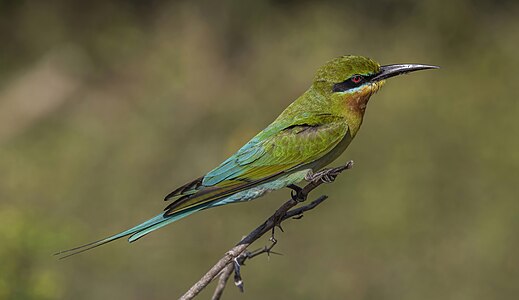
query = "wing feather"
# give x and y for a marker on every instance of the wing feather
(262, 159)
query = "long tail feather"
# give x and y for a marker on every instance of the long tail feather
(169, 219)
(134, 232)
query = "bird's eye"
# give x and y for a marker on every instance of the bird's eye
(350, 83)
(356, 79)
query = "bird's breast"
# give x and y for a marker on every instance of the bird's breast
(333, 154)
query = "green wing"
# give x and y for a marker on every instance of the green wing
(280, 148)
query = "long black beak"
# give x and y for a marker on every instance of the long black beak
(395, 70)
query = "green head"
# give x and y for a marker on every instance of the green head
(349, 72)
(348, 82)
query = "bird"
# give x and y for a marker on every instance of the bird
(310, 133)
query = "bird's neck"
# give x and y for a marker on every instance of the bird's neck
(347, 106)
(353, 106)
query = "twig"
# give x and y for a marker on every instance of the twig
(282, 213)
(240, 260)
(224, 276)
(245, 255)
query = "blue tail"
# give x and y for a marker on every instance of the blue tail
(135, 233)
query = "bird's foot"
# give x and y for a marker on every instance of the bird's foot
(297, 193)
(327, 175)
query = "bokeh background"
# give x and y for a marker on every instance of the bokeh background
(106, 106)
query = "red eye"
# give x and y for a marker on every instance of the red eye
(356, 78)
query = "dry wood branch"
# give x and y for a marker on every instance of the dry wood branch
(225, 266)
(224, 276)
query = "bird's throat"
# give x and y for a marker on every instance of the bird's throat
(357, 101)
(355, 104)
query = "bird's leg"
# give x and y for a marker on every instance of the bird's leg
(297, 193)
(327, 175)
(324, 175)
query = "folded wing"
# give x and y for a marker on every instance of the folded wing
(269, 155)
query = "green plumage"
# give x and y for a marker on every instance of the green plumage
(309, 134)
(307, 131)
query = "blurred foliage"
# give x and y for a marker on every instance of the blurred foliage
(107, 106)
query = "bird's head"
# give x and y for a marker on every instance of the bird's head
(351, 80)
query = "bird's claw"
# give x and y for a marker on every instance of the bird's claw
(327, 175)
(297, 193)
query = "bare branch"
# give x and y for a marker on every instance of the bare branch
(224, 276)
(225, 266)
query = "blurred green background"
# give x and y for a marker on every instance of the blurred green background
(107, 106)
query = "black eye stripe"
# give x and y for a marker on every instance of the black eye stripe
(350, 84)
(346, 85)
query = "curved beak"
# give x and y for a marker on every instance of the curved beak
(395, 70)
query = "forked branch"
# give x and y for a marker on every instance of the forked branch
(233, 258)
